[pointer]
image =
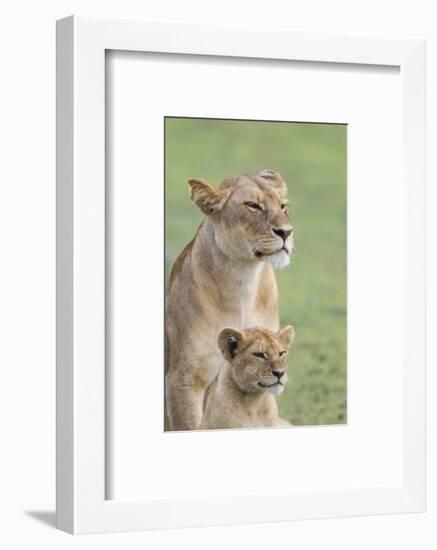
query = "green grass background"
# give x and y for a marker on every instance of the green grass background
(312, 290)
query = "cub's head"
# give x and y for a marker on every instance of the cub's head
(250, 216)
(258, 357)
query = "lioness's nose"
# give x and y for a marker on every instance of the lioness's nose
(278, 373)
(283, 232)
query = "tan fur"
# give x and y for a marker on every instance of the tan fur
(242, 395)
(222, 278)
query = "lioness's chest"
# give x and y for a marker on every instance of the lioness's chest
(208, 366)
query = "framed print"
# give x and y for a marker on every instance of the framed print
(240, 275)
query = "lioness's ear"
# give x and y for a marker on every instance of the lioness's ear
(286, 336)
(208, 199)
(230, 341)
(275, 179)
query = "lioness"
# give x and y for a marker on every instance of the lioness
(241, 396)
(223, 278)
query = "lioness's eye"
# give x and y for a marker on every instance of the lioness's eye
(253, 205)
(260, 354)
(282, 353)
(284, 206)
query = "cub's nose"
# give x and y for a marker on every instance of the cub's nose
(283, 232)
(278, 373)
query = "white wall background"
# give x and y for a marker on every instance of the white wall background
(27, 274)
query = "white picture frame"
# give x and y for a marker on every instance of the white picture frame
(81, 479)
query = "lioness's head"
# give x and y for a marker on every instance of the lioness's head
(250, 216)
(258, 357)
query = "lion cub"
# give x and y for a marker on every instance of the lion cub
(242, 394)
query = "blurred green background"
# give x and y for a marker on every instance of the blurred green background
(312, 290)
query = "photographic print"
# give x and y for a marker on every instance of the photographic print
(255, 264)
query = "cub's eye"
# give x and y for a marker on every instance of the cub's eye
(253, 205)
(282, 353)
(260, 354)
(284, 207)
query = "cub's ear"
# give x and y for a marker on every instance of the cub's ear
(275, 179)
(230, 341)
(286, 336)
(208, 199)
